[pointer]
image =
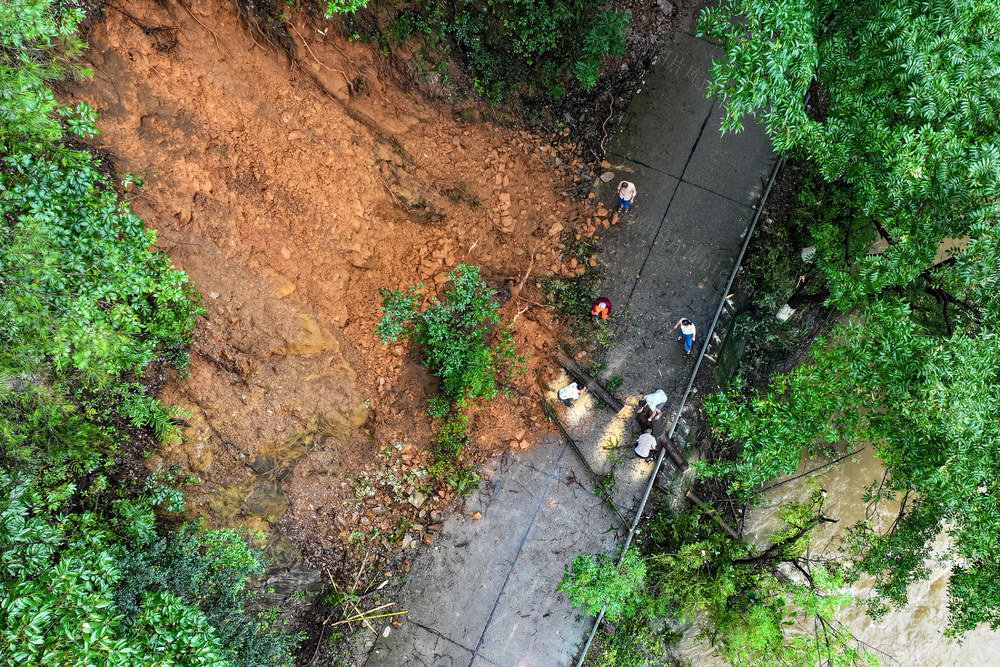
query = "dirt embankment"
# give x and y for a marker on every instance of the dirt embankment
(291, 189)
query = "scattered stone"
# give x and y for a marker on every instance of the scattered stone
(607, 176)
(214, 295)
(396, 622)
(406, 567)
(266, 500)
(555, 229)
(668, 8)
(605, 164)
(591, 195)
(417, 499)
(286, 253)
(263, 465)
(436, 527)
(477, 516)
(524, 444)
(427, 538)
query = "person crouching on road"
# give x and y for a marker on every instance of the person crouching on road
(652, 405)
(646, 445)
(601, 308)
(688, 333)
(570, 393)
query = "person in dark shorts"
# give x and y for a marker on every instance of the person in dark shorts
(570, 393)
(646, 445)
(652, 405)
(626, 194)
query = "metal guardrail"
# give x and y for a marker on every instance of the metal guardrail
(694, 374)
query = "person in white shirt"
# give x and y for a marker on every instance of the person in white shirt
(646, 445)
(688, 333)
(653, 403)
(570, 393)
(626, 194)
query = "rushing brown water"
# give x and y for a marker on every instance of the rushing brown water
(909, 637)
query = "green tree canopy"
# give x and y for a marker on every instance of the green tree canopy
(904, 109)
(86, 578)
(902, 123)
(462, 343)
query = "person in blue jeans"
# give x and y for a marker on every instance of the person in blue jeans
(687, 334)
(626, 194)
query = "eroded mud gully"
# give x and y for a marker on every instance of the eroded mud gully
(291, 189)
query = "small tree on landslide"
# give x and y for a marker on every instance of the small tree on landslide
(465, 348)
(455, 333)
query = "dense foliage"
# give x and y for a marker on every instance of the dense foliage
(84, 309)
(597, 581)
(465, 348)
(531, 47)
(103, 588)
(910, 122)
(737, 597)
(903, 127)
(334, 7)
(455, 335)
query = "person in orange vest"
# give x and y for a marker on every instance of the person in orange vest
(601, 308)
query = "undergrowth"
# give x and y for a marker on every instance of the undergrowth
(466, 348)
(88, 574)
(528, 49)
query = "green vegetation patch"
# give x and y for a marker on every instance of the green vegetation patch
(528, 48)
(88, 575)
(465, 347)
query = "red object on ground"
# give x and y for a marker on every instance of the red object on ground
(601, 308)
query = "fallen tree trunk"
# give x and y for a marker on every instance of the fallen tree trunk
(577, 374)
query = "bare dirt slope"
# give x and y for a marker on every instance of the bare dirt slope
(291, 188)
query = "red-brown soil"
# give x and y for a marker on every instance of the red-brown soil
(291, 189)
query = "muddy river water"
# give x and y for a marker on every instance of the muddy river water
(911, 636)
